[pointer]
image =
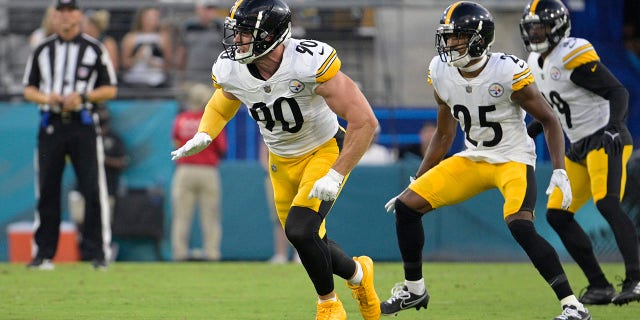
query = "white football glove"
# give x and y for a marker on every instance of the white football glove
(327, 187)
(196, 144)
(391, 204)
(560, 179)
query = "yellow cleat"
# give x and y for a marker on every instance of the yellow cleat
(331, 310)
(365, 293)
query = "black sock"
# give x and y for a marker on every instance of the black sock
(410, 240)
(624, 232)
(301, 229)
(578, 245)
(343, 264)
(542, 255)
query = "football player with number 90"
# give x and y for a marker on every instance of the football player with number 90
(294, 90)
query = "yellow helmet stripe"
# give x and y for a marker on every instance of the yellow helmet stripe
(453, 7)
(235, 7)
(534, 6)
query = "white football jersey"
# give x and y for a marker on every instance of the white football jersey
(494, 126)
(293, 120)
(580, 111)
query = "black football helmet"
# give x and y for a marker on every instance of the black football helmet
(464, 20)
(267, 21)
(544, 23)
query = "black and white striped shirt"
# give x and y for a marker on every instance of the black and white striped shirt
(63, 67)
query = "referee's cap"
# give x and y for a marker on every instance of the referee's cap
(73, 4)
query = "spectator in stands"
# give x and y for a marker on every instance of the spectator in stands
(196, 180)
(280, 243)
(47, 27)
(200, 42)
(592, 106)
(95, 24)
(146, 51)
(377, 154)
(426, 133)
(68, 130)
(418, 150)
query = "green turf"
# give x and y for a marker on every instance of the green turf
(245, 291)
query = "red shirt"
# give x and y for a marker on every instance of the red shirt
(184, 127)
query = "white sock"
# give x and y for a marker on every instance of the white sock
(415, 287)
(572, 301)
(357, 278)
(334, 298)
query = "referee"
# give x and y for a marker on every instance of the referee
(66, 75)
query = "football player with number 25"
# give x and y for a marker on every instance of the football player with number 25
(295, 91)
(488, 94)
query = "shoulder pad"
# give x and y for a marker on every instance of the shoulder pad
(222, 70)
(576, 52)
(314, 59)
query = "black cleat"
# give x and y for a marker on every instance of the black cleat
(597, 295)
(99, 264)
(572, 313)
(402, 299)
(630, 292)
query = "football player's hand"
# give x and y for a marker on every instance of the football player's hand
(327, 187)
(391, 204)
(196, 144)
(611, 141)
(560, 179)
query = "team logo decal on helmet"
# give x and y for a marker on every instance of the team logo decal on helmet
(543, 24)
(496, 89)
(255, 27)
(296, 86)
(466, 33)
(555, 73)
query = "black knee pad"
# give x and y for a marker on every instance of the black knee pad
(524, 232)
(302, 225)
(559, 219)
(521, 228)
(608, 206)
(404, 214)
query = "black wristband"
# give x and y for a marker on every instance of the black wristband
(85, 99)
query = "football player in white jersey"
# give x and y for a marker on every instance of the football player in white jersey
(488, 94)
(294, 90)
(591, 105)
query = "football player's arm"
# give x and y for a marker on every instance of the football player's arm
(221, 108)
(534, 128)
(442, 139)
(532, 101)
(596, 77)
(345, 99)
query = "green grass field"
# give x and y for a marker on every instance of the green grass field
(255, 290)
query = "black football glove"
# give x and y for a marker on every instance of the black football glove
(611, 140)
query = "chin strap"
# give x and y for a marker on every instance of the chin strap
(475, 66)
